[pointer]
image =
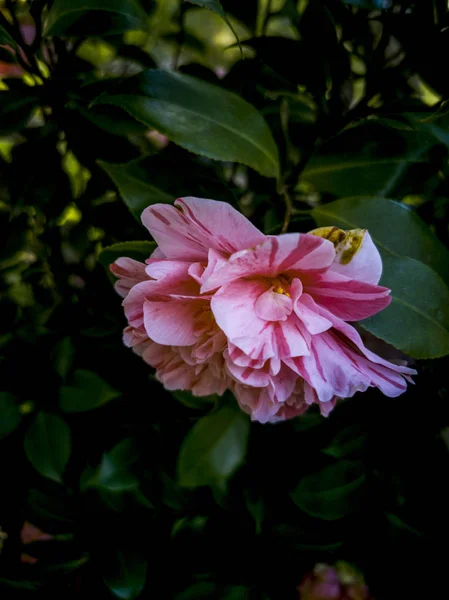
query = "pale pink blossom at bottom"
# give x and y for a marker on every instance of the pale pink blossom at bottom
(219, 306)
(339, 582)
(30, 533)
(27, 559)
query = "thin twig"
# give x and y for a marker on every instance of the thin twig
(288, 210)
(179, 38)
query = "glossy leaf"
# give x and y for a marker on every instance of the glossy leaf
(332, 493)
(63, 357)
(113, 473)
(135, 187)
(16, 107)
(126, 573)
(137, 250)
(200, 117)
(94, 17)
(10, 416)
(48, 445)
(216, 7)
(5, 37)
(86, 392)
(366, 160)
(197, 402)
(214, 448)
(417, 320)
(394, 227)
(348, 441)
(150, 180)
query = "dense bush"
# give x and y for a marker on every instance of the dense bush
(299, 114)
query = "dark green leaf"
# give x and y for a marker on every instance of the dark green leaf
(198, 402)
(366, 160)
(348, 441)
(214, 448)
(63, 357)
(113, 120)
(200, 117)
(113, 474)
(150, 180)
(417, 320)
(137, 250)
(135, 186)
(400, 524)
(394, 228)
(16, 107)
(5, 38)
(256, 508)
(203, 589)
(332, 493)
(10, 414)
(206, 589)
(87, 391)
(370, 4)
(94, 17)
(21, 584)
(48, 445)
(126, 573)
(216, 7)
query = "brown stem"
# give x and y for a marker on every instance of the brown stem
(288, 210)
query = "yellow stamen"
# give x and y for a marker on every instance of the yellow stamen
(280, 290)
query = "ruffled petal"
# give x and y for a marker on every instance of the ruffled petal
(290, 254)
(346, 298)
(173, 322)
(188, 231)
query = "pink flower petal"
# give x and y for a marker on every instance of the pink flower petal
(172, 323)
(130, 272)
(336, 368)
(347, 299)
(234, 310)
(291, 254)
(365, 265)
(188, 231)
(273, 306)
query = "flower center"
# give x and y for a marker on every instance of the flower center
(275, 304)
(281, 290)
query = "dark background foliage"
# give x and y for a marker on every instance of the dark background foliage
(93, 450)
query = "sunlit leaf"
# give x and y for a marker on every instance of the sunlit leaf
(216, 7)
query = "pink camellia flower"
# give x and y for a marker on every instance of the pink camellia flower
(219, 305)
(340, 582)
(30, 534)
